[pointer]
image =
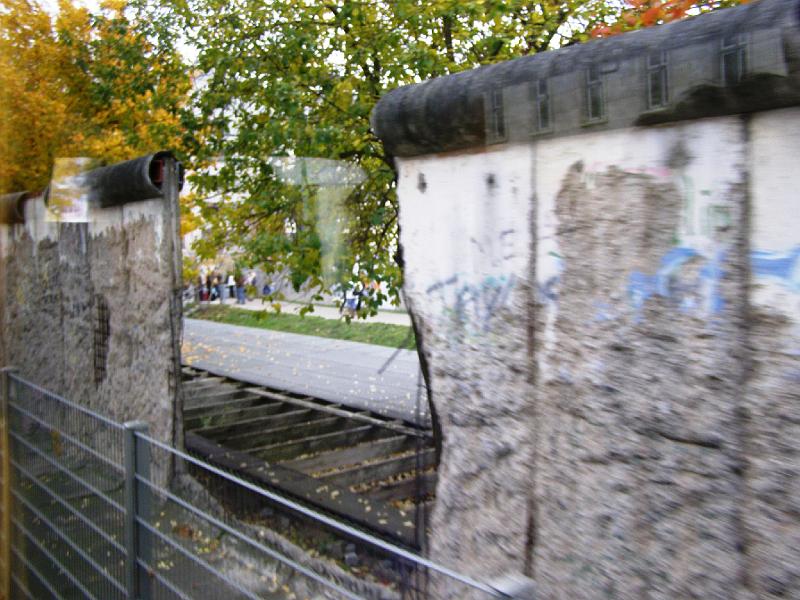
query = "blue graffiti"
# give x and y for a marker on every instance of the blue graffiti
(784, 267)
(690, 293)
(483, 300)
(704, 288)
(474, 304)
(548, 289)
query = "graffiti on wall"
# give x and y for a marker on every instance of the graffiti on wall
(471, 304)
(499, 250)
(690, 274)
(692, 281)
(550, 267)
(783, 268)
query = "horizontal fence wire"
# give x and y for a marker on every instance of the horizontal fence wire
(72, 465)
(65, 436)
(195, 559)
(63, 570)
(48, 434)
(99, 435)
(173, 589)
(63, 401)
(318, 517)
(69, 542)
(250, 541)
(36, 573)
(110, 501)
(67, 506)
(21, 586)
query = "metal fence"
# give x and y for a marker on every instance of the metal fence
(83, 518)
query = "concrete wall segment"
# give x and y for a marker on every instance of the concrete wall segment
(62, 277)
(641, 444)
(469, 278)
(631, 412)
(618, 399)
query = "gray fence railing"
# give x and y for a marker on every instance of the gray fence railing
(81, 517)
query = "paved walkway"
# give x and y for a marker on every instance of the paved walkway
(335, 370)
(391, 317)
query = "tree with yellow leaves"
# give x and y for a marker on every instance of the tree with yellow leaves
(109, 85)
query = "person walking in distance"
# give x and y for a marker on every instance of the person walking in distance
(231, 283)
(240, 295)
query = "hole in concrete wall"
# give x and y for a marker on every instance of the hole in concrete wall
(101, 335)
(422, 185)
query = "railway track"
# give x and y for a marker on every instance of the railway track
(373, 471)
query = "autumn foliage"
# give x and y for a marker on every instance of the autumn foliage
(82, 84)
(646, 13)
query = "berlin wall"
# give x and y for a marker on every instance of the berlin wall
(602, 258)
(92, 307)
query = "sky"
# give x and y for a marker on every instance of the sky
(51, 6)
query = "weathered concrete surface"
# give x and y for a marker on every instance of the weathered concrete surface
(640, 365)
(631, 432)
(467, 253)
(771, 397)
(3, 291)
(59, 274)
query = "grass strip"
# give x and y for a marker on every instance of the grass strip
(382, 334)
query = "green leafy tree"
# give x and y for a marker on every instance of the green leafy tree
(291, 78)
(296, 79)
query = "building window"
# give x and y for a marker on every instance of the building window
(595, 103)
(733, 59)
(657, 79)
(498, 115)
(540, 97)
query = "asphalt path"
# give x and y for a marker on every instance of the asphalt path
(335, 370)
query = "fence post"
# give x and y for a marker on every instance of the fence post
(5, 497)
(138, 540)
